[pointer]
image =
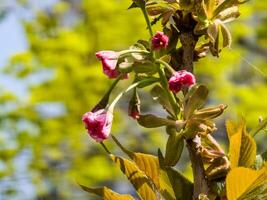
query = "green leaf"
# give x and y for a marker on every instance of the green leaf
(140, 3)
(226, 35)
(242, 149)
(213, 32)
(138, 178)
(152, 121)
(228, 14)
(182, 187)
(148, 82)
(200, 10)
(244, 183)
(210, 6)
(158, 94)
(260, 127)
(157, 7)
(196, 100)
(105, 99)
(107, 193)
(264, 155)
(174, 147)
(133, 5)
(186, 4)
(144, 68)
(210, 113)
(165, 186)
(149, 164)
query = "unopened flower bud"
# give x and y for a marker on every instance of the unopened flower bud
(109, 61)
(180, 79)
(98, 124)
(134, 106)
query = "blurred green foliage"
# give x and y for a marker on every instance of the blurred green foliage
(65, 80)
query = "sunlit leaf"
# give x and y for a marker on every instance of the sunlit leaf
(106, 193)
(149, 164)
(226, 35)
(182, 187)
(260, 127)
(242, 150)
(242, 183)
(157, 7)
(139, 180)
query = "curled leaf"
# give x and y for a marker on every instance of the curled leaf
(152, 121)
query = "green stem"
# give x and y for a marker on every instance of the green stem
(112, 105)
(104, 101)
(113, 85)
(164, 84)
(147, 21)
(105, 148)
(166, 65)
(261, 126)
(127, 52)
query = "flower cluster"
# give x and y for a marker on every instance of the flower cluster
(153, 64)
(98, 123)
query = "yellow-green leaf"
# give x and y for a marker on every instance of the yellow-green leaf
(196, 100)
(152, 121)
(107, 193)
(165, 186)
(242, 150)
(149, 164)
(174, 148)
(244, 183)
(182, 187)
(158, 94)
(138, 178)
(226, 35)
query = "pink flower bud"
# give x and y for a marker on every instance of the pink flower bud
(98, 124)
(109, 62)
(180, 79)
(134, 106)
(135, 114)
(160, 41)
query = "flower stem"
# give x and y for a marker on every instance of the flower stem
(147, 21)
(164, 84)
(104, 101)
(127, 52)
(166, 65)
(134, 85)
(105, 148)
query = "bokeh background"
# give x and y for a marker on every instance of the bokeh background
(49, 77)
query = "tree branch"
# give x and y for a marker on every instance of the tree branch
(188, 41)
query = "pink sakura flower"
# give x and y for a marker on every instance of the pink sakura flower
(109, 61)
(159, 41)
(180, 79)
(98, 124)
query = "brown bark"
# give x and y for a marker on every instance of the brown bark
(200, 181)
(188, 41)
